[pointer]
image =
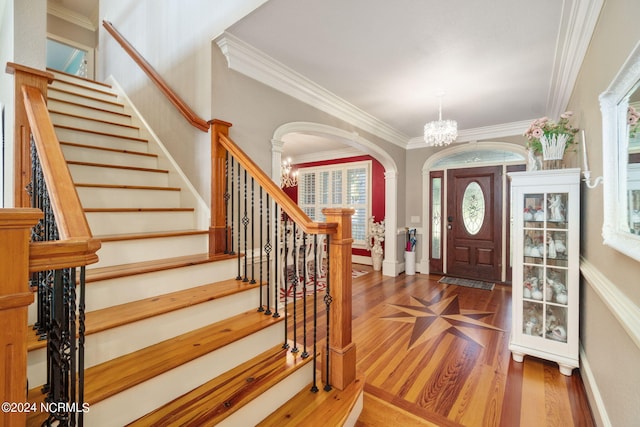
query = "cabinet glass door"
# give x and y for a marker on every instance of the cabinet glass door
(545, 264)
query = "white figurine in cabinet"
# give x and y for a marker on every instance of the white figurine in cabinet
(555, 208)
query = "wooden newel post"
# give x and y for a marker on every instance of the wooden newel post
(341, 347)
(218, 230)
(21, 134)
(15, 297)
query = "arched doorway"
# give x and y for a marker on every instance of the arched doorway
(390, 266)
(440, 175)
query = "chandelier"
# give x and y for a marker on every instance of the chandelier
(440, 132)
(287, 177)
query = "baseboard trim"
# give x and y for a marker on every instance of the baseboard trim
(589, 381)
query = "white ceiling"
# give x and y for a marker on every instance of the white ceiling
(500, 63)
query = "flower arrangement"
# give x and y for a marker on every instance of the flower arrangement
(375, 236)
(632, 120)
(547, 129)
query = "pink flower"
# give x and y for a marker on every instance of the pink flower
(632, 120)
(537, 133)
(566, 115)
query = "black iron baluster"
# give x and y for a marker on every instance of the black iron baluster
(231, 213)
(285, 267)
(267, 251)
(305, 353)
(245, 223)
(276, 271)
(314, 386)
(239, 254)
(294, 281)
(327, 300)
(261, 305)
(227, 196)
(253, 241)
(81, 340)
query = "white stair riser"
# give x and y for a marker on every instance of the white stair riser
(85, 91)
(98, 140)
(92, 113)
(79, 81)
(107, 223)
(115, 176)
(265, 404)
(121, 290)
(100, 197)
(90, 102)
(91, 155)
(127, 406)
(130, 251)
(82, 123)
(104, 346)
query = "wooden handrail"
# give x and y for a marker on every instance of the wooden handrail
(76, 241)
(182, 107)
(280, 197)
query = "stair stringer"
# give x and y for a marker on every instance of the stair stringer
(177, 177)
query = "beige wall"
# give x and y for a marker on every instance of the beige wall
(609, 351)
(22, 41)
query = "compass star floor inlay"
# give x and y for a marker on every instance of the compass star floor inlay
(441, 315)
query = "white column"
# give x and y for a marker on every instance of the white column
(390, 265)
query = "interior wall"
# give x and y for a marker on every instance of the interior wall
(609, 349)
(176, 40)
(22, 41)
(70, 31)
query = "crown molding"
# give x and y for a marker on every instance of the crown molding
(246, 59)
(578, 21)
(476, 134)
(70, 16)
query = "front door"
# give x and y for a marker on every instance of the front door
(474, 223)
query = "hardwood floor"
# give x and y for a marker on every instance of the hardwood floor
(435, 354)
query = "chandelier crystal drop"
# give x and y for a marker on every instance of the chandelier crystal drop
(287, 177)
(440, 132)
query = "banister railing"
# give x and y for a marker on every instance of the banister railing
(182, 107)
(61, 246)
(234, 174)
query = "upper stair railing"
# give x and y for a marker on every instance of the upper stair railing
(279, 234)
(61, 245)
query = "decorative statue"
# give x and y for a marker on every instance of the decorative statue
(555, 208)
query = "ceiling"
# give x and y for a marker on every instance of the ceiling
(499, 63)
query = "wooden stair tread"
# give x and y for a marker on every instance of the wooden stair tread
(119, 374)
(51, 70)
(81, 95)
(77, 116)
(105, 165)
(81, 86)
(131, 138)
(128, 187)
(112, 272)
(116, 150)
(88, 107)
(332, 407)
(114, 316)
(215, 400)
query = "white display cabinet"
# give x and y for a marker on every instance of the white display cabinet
(545, 214)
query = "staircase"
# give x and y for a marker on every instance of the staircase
(171, 337)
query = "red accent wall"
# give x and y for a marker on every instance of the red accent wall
(377, 187)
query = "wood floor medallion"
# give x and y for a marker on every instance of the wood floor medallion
(437, 355)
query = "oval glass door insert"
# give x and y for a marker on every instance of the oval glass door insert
(473, 208)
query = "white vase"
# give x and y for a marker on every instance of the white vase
(377, 261)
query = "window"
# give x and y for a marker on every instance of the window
(338, 185)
